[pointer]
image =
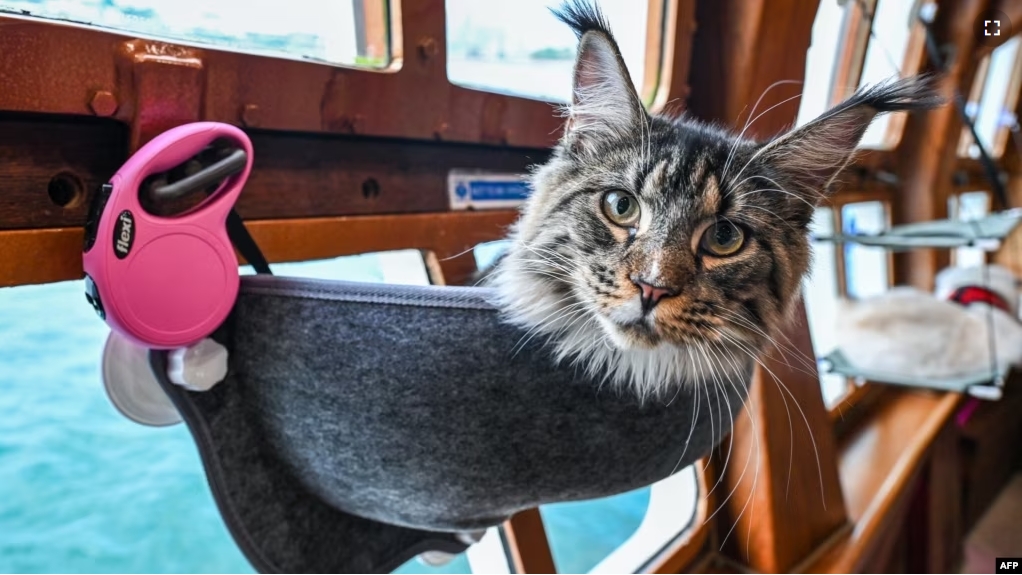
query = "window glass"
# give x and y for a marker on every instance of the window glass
(865, 267)
(83, 489)
(622, 533)
(520, 48)
(350, 33)
(885, 58)
(821, 294)
(966, 207)
(995, 109)
(820, 61)
(488, 253)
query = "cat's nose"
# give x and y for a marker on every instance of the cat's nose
(650, 294)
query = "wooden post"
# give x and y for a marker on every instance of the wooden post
(779, 496)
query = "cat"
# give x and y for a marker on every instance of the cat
(655, 251)
(912, 333)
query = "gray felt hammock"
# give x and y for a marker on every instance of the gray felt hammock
(362, 424)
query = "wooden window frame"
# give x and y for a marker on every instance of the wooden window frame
(856, 36)
(1011, 100)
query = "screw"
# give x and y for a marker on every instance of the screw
(370, 189)
(250, 115)
(350, 123)
(441, 129)
(103, 103)
(428, 48)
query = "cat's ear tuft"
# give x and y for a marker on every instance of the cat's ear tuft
(604, 101)
(810, 157)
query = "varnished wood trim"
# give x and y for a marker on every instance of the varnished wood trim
(855, 406)
(855, 31)
(49, 255)
(240, 88)
(527, 541)
(879, 462)
(910, 65)
(40, 256)
(672, 89)
(655, 26)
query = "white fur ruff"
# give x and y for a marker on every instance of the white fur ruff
(575, 333)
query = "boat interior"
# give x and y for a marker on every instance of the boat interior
(397, 146)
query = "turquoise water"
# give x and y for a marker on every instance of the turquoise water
(84, 490)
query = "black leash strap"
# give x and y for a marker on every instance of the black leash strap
(246, 244)
(232, 163)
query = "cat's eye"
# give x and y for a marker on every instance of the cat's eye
(621, 208)
(722, 239)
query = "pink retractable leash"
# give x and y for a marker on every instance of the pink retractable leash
(167, 282)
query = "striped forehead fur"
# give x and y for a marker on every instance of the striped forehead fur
(573, 277)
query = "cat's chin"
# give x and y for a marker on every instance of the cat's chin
(632, 336)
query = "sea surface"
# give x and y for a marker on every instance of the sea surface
(84, 490)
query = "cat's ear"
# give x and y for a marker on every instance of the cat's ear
(809, 158)
(604, 102)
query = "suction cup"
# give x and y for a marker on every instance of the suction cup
(131, 385)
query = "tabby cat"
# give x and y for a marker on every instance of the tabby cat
(655, 250)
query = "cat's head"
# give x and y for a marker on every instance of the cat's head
(655, 248)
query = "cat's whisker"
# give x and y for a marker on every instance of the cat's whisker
(727, 458)
(807, 362)
(546, 322)
(812, 437)
(703, 361)
(737, 483)
(754, 156)
(743, 195)
(770, 180)
(709, 404)
(755, 479)
(807, 368)
(750, 119)
(563, 316)
(695, 418)
(791, 430)
(545, 260)
(779, 189)
(543, 268)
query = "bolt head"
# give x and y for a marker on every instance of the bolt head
(428, 48)
(250, 115)
(103, 103)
